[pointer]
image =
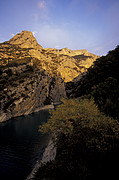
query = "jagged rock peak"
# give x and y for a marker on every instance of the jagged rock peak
(73, 52)
(25, 39)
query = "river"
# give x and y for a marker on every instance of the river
(21, 145)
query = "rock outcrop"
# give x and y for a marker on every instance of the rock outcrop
(25, 39)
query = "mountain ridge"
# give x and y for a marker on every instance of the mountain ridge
(68, 63)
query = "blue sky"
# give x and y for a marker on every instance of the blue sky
(76, 24)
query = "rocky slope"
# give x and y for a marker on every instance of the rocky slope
(31, 77)
(24, 90)
(69, 63)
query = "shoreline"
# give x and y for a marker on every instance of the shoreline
(48, 155)
(4, 117)
(46, 107)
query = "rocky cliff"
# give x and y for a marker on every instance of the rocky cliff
(25, 90)
(31, 77)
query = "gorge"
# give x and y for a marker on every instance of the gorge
(86, 123)
(31, 76)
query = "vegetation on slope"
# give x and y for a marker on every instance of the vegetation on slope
(87, 135)
(102, 82)
(87, 142)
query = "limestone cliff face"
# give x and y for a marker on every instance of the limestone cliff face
(31, 76)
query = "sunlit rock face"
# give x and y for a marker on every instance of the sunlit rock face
(70, 63)
(31, 76)
(25, 39)
(67, 63)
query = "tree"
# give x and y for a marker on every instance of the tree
(80, 115)
(106, 96)
(87, 142)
